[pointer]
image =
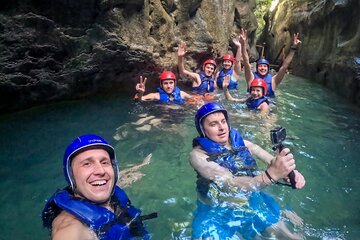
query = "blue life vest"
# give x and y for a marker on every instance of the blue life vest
(102, 221)
(268, 80)
(232, 84)
(217, 220)
(238, 160)
(207, 84)
(165, 98)
(255, 103)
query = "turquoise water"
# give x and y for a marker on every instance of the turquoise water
(323, 133)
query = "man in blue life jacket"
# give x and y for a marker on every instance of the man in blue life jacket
(230, 204)
(202, 82)
(168, 92)
(263, 65)
(92, 206)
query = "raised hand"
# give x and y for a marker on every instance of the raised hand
(181, 49)
(226, 81)
(140, 87)
(243, 37)
(296, 40)
(236, 41)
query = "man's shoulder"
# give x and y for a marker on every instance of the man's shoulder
(67, 226)
(197, 149)
(197, 152)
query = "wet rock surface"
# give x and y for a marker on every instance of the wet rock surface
(330, 34)
(56, 50)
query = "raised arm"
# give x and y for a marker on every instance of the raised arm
(237, 63)
(182, 71)
(281, 73)
(181, 54)
(249, 76)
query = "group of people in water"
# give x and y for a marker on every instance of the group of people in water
(230, 202)
(261, 84)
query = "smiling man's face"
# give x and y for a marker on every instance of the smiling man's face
(94, 175)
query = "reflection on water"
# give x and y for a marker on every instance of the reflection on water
(323, 133)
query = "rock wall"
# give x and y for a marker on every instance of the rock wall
(330, 34)
(54, 49)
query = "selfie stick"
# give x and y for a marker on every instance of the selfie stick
(278, 145)
(291, 175)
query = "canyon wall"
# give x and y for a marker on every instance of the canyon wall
(330, 48)
(54, 49)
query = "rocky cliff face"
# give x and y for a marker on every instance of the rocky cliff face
(330, 34)
(55, 49)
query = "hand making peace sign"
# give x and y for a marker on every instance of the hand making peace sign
(243, 37)
(140, 87)
(296, 40)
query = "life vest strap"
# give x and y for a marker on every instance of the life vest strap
(149, 216)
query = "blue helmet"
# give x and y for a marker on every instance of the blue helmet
(82, 143)
(204, 111)
(262, 61)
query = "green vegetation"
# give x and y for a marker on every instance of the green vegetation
(262, 6)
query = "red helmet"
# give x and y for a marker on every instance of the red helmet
(167, 75)
(258, 82)
(228, 57)
(209, 61)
